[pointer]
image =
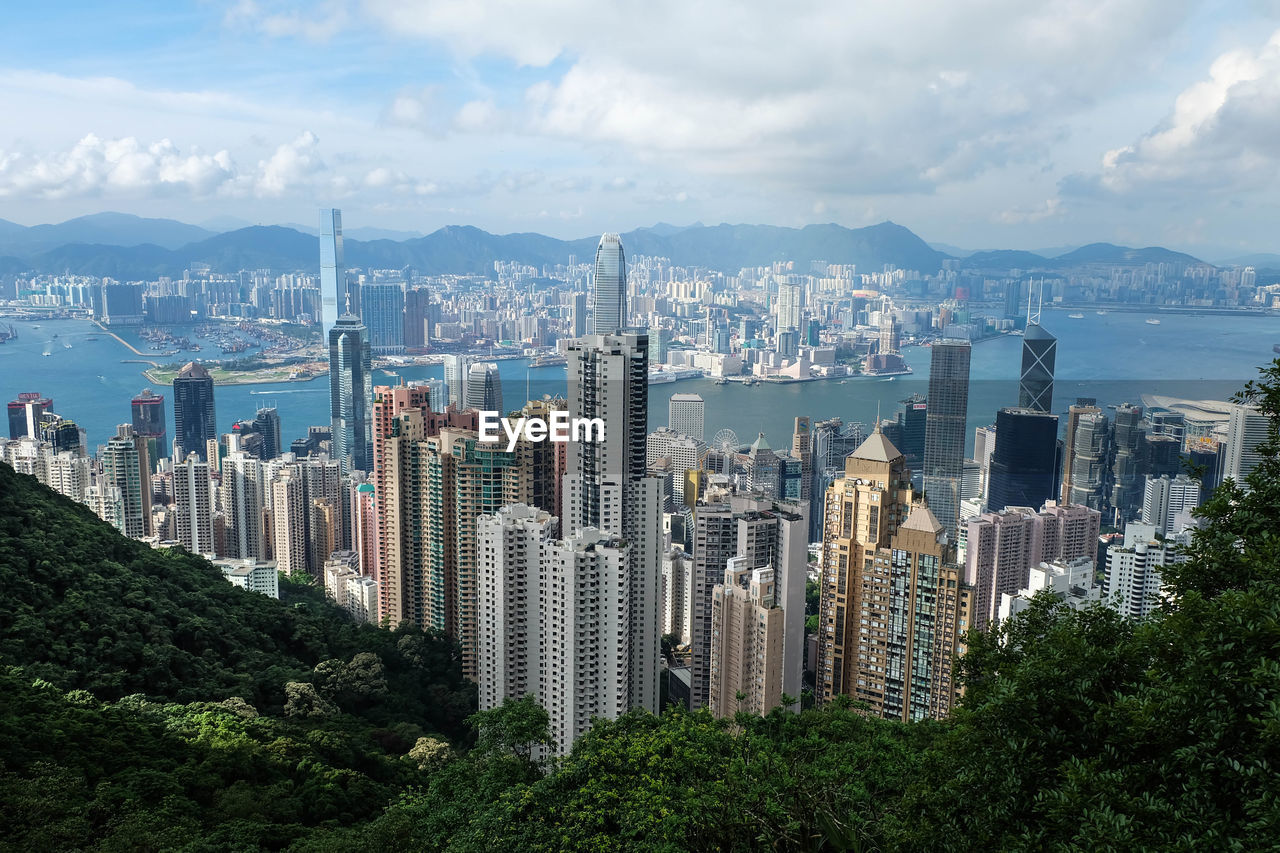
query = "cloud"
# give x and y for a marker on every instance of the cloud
(820, 97)
(317, 21)
(95, 166)
(1051, 207)
(1223, 134)
(293, 164)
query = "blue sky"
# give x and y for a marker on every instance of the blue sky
(985, 124)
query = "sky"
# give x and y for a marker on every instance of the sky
(983, 124)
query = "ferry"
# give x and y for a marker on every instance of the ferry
(723, 381)
(1076, 316)
(1152, 321)
(1102, 313)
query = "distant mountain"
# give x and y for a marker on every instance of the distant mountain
(953, 251)
(1106, 253)
(113, 229)
(131, 248)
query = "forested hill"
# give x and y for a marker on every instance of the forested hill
(1079, 730)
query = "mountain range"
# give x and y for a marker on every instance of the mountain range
(128, 247)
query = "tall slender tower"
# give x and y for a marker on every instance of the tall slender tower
(126, 479)
(605, 486)
(455, 378)
(149, 422)
(609, 303)
(484, 387)
(333, 272)
(944, 430)
(351, 393)
(193, 499)
(195, 422)
(1039, 352)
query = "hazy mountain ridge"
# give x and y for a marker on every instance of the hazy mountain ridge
(129, 248)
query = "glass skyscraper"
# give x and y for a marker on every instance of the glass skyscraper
(1024, 462)
(944, 430)
(333, 272)
(351, 393)
(609, 287)
(1039, 351)
(382, 309)
(484, 387)
(194, 419)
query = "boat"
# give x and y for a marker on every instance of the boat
(66, 346)
(844, 381)
(1076, 316)
(1102, 313)
(1152, 321)
(723, 381)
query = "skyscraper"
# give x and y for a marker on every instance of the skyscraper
(1247, 429)
(351, 393)
(1024, 463)
(789, 307)
(333, 272)
(25, 412)
(193, 505)
(1082, 406)
(484, 387)
(149, 422)
(685, 414)
(746, 651)
(605, 486)
(1167, 503)
(609, 287)
(578, 326)
(1039, 352)
(382, 310)
(126, 483)
(893, 604)
(242, 496)
(455, 377)
(1127, 446)
(195, 421)
(944, 437)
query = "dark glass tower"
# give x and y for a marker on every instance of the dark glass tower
(913, 420)
(484, 387)
(351, 393)
(194, 421)
(1039, 351)
(1024, 462)
(944, 433)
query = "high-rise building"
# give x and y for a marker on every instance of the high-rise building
(242, 498)
(1133, 580)
(767, 534)
(334, 299)
(195, 421)
(763, 468)
(24, 414)
(193, 505)
(1127, 451)
(1082, 406)
(1089, 473)
(1167, 503)
(790, 306)
(605, 484)
(913, 419)
(893, 606)
(350, 393)
(126, 483)
(484, 387)
(944, 439)
(510, 544)
(419, 309)
(1039, 352)
(677, 595)
(746, 644)
(1002, 547)
(1247, 430)
(455, 377)
(149, 422)
(382, 310)
(1023, 465)
(609, 287)
(685, 414)
(579, 318)
(289, 521)
(260, 436)
(802, 452)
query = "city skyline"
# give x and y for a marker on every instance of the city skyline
(528, 123)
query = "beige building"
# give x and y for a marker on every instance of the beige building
(746, 642)
(893, 606)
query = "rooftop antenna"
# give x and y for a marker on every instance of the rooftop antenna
(1033, 318)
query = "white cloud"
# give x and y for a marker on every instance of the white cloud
(94, 166)
(1222, 134)
(1050, 208)
(316, 21)
(293, 164)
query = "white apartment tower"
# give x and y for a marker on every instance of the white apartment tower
(193, 500)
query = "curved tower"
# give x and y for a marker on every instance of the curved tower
(609, 289)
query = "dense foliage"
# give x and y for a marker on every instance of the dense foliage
(1078, 731)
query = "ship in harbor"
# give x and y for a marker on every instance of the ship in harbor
(1152, 321)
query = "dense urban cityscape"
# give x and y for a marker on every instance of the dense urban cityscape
(601, 574)
(592, 426)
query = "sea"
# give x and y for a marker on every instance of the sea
(1113, 357)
